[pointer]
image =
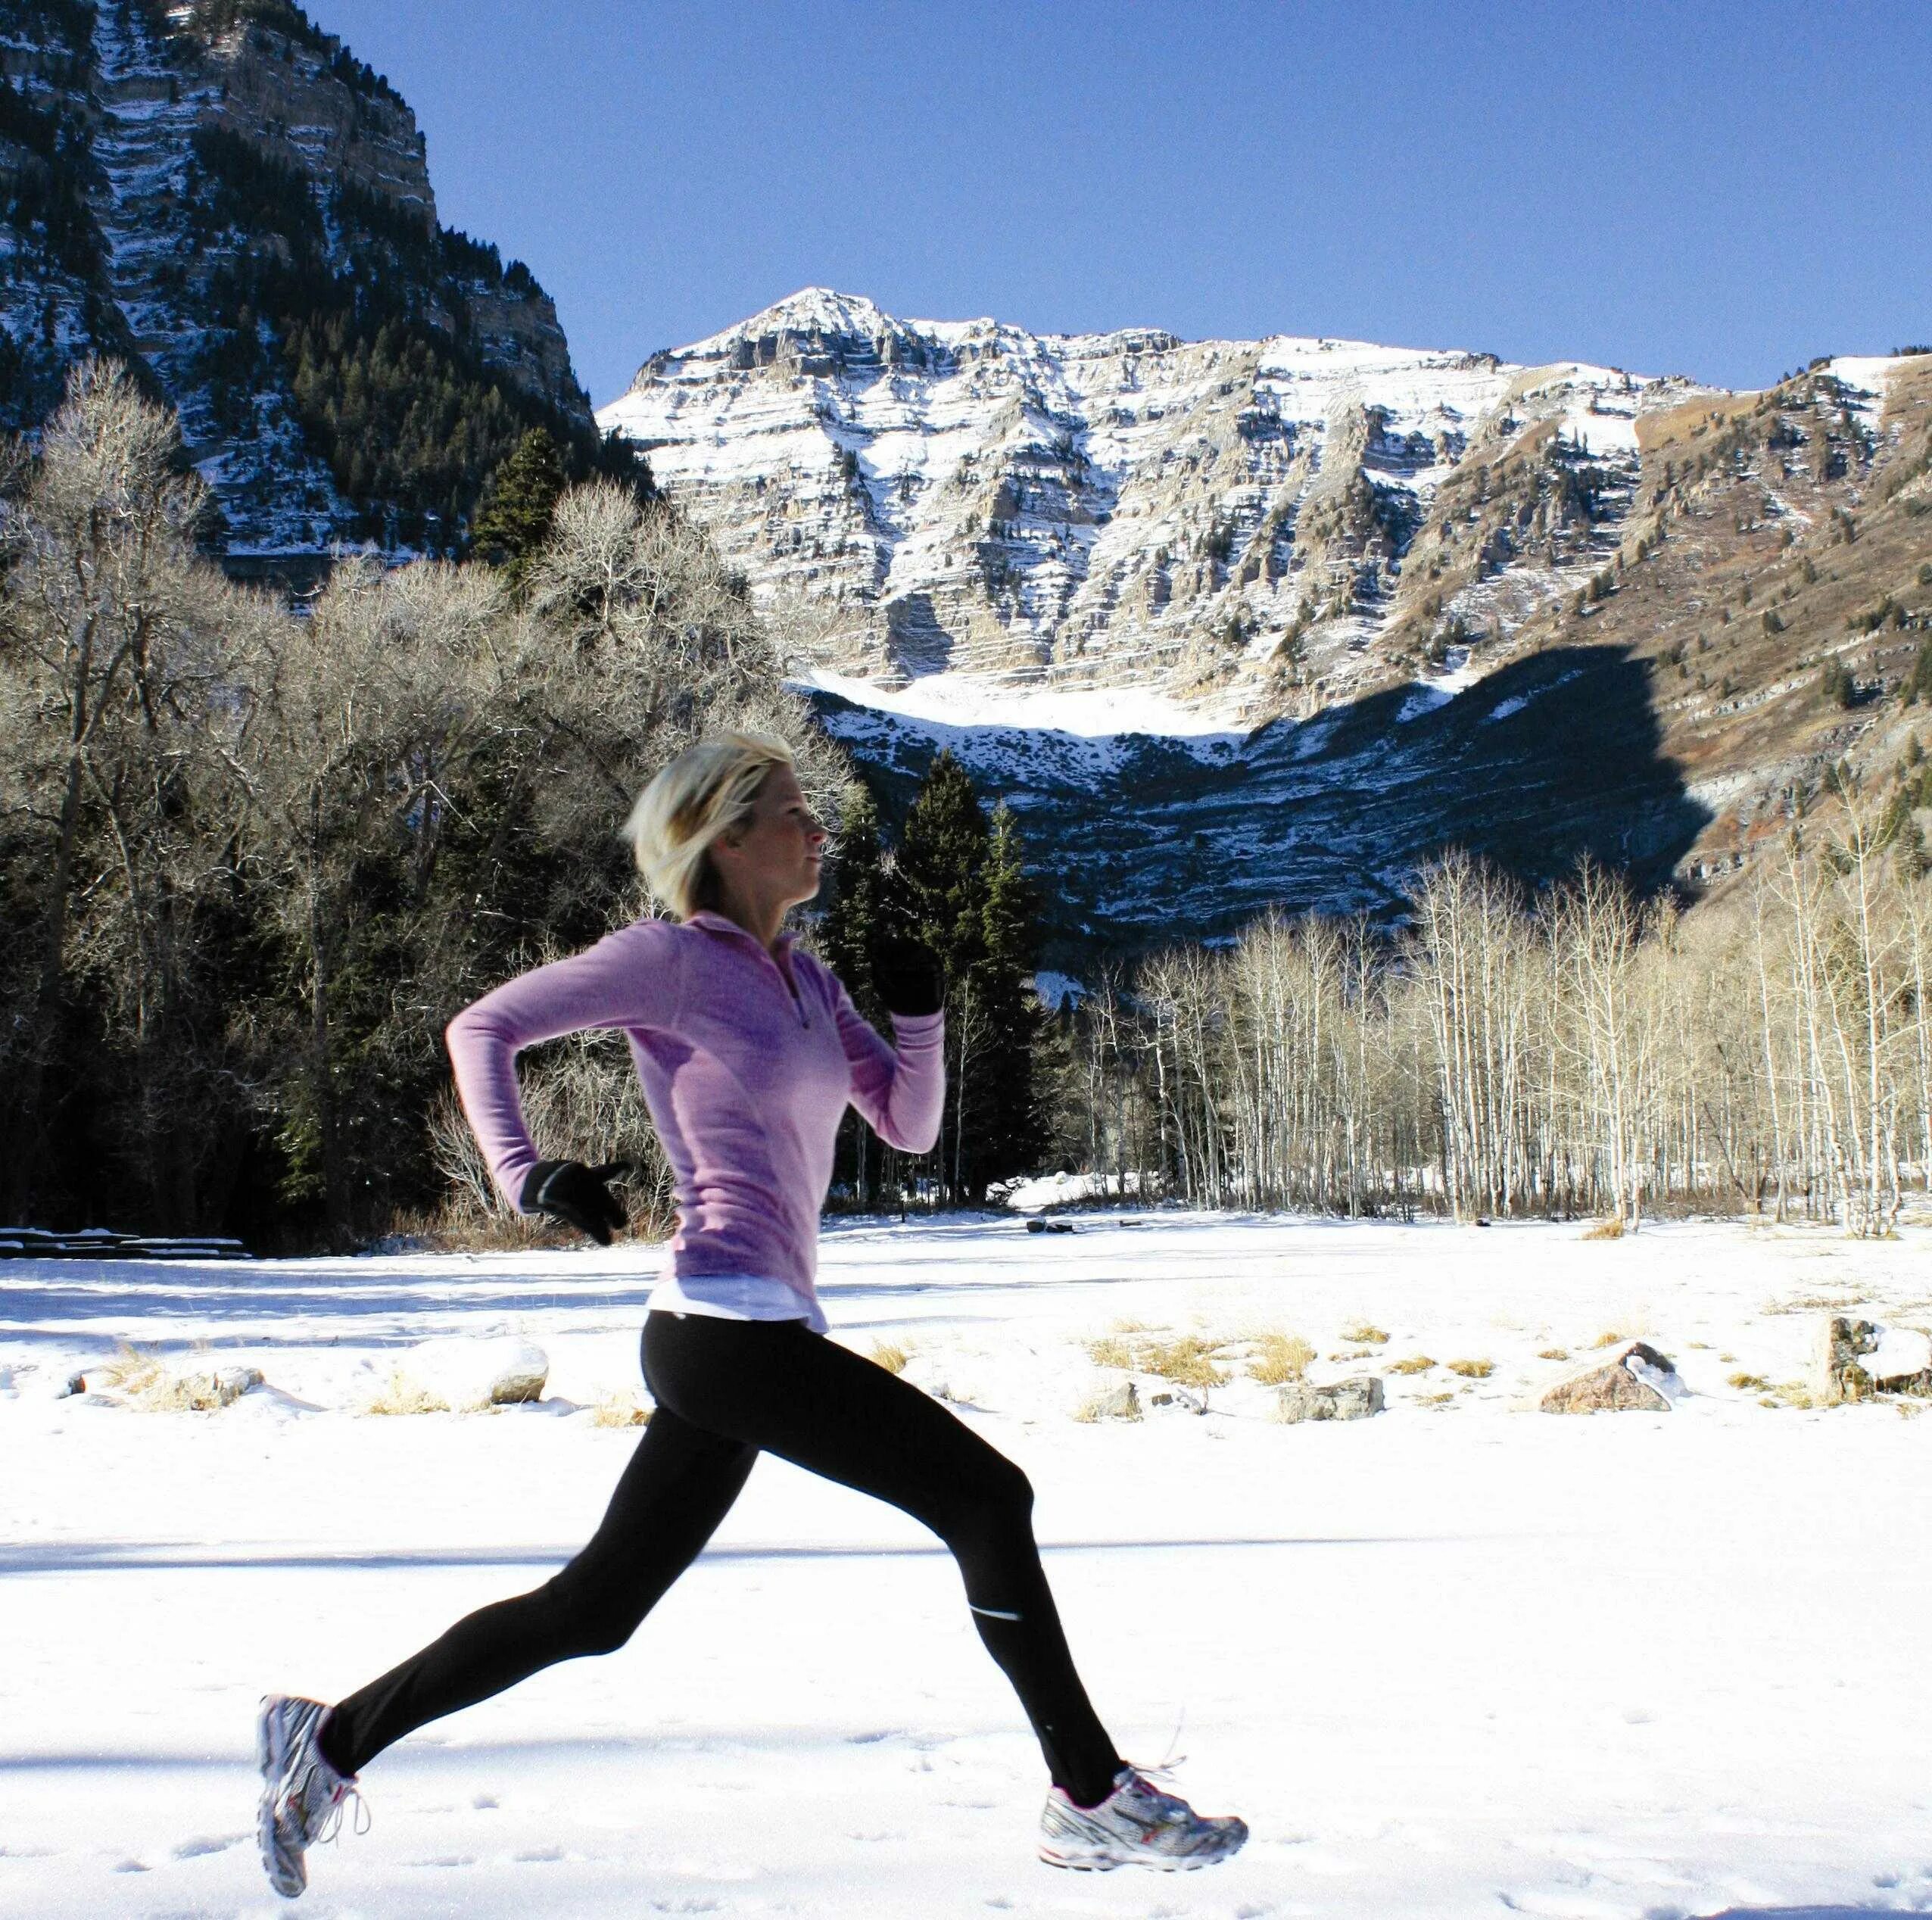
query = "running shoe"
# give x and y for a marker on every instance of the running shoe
(302, 1796)
(1137, 1824)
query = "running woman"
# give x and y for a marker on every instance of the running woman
(749, 1051)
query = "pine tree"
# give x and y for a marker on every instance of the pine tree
(960, 881)
(848, 934)
(940, 868)
(854, 890)
(514, 519)
(1015, 1109)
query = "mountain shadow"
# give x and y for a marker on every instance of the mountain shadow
(918, 638)
(1138, 842)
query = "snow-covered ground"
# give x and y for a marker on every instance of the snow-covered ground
(1460, 1659)
(954, 700)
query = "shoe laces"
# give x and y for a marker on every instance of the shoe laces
(344, 1792)
(340, 1788)
(1165, 1768)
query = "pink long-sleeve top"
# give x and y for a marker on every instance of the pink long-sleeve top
(747, 1061)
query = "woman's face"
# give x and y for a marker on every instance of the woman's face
(775, 856)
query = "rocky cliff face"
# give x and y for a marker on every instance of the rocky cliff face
(1243, 625)
(188, 186)
(1276, 525)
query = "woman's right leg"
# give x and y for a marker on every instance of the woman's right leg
(775, 1386)
(678, 1485)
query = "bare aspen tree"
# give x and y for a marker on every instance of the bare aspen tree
(121, 702)
(1595, 1054)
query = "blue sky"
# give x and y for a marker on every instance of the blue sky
(1722, 189)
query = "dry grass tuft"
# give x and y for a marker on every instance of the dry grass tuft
(1554, 1353)
(1473, 1370)
(1279, 1358)
(1616, 1336)
(399, 1395)
(1186, 1359)
(1606, 1229)
(131, 1372)
(1748, 1382)
(1365, 1333)
(1415, 1364)
(147, 1384)
(1434, 1399)
(893, 1358)
(1788, 1393)
(623, 1409)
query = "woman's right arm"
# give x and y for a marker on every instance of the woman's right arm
(628, 979)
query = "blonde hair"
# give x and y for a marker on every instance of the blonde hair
(701, 796)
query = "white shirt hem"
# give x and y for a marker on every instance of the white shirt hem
(736, 1297)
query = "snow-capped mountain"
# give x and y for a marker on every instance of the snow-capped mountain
(1268, 525)
(1236, 625)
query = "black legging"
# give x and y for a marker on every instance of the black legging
(726, 1390)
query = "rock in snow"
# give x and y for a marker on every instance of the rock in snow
(503, 1371)
(1855, 1359)
(1347, 1400)
(1177, 1400)
(1116, 1402)
(1638, 1380)
(220, 1386)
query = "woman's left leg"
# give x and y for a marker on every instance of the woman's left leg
(678, 1485)
(776, 1387)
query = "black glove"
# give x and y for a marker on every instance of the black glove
(568, 1191)
(907, 975)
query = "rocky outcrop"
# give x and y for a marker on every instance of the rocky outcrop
(1858, 1359)
(300, 95)
(1216, 517)
(1639, 1379)
(1347, 1400)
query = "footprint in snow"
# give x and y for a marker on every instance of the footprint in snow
(534, 1854)
(190, 1849)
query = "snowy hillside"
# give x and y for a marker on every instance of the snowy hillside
(228, 199)
(1232, 518)
(1454, 1660)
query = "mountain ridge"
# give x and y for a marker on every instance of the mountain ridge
(1738, 587)
(1227, 518)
